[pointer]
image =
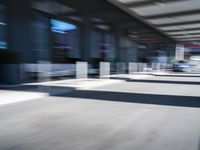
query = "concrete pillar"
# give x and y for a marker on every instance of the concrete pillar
(19, 27)
(40, 39)
(85, 39)
(117, 34)
(117, 46)
(18, 24)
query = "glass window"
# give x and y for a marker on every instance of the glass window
(102, 45)
(3, 41)
(40, 38)
(65, 41)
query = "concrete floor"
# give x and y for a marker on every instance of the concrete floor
(122, 116)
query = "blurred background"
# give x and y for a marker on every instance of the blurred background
(99, 74)
(62, 32)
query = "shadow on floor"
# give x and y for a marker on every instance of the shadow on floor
(156, 81)
(51, 90)
(184, 101)
(163, 81)
(187, 76)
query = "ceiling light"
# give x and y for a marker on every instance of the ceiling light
(160, 4)
(2, 23)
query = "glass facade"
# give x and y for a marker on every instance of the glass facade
(102, 45)
(3, 27)
(40, 38)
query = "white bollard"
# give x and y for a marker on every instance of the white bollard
(154, 67)
(44, 75)
(141, 67)
(158, 67)
(132, 68)
(163, 67)
(104, 70)
(81, 70)
(44, 71)
(145, 67)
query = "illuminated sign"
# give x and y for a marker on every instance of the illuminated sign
(60, 26)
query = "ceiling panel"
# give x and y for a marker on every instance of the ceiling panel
(185, 32)
(180, 18)
(188, 39)
(181, 27)
(171, 28)
(168, 20)
(190, 26)
(51, 7)
(187, 36)
(130, 1)
(162, 8)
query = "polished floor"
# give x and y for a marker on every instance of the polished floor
(128, 115)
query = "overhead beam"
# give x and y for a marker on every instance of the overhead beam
(191, 40)
(140, 19)
(178, 23)
(149, 2)
(186, 37)
(113, 12)
(173, 14)
(180, 34)
(179, 30)
(65, 14)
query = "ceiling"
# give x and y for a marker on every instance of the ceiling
(102, 12)
(179, 19)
